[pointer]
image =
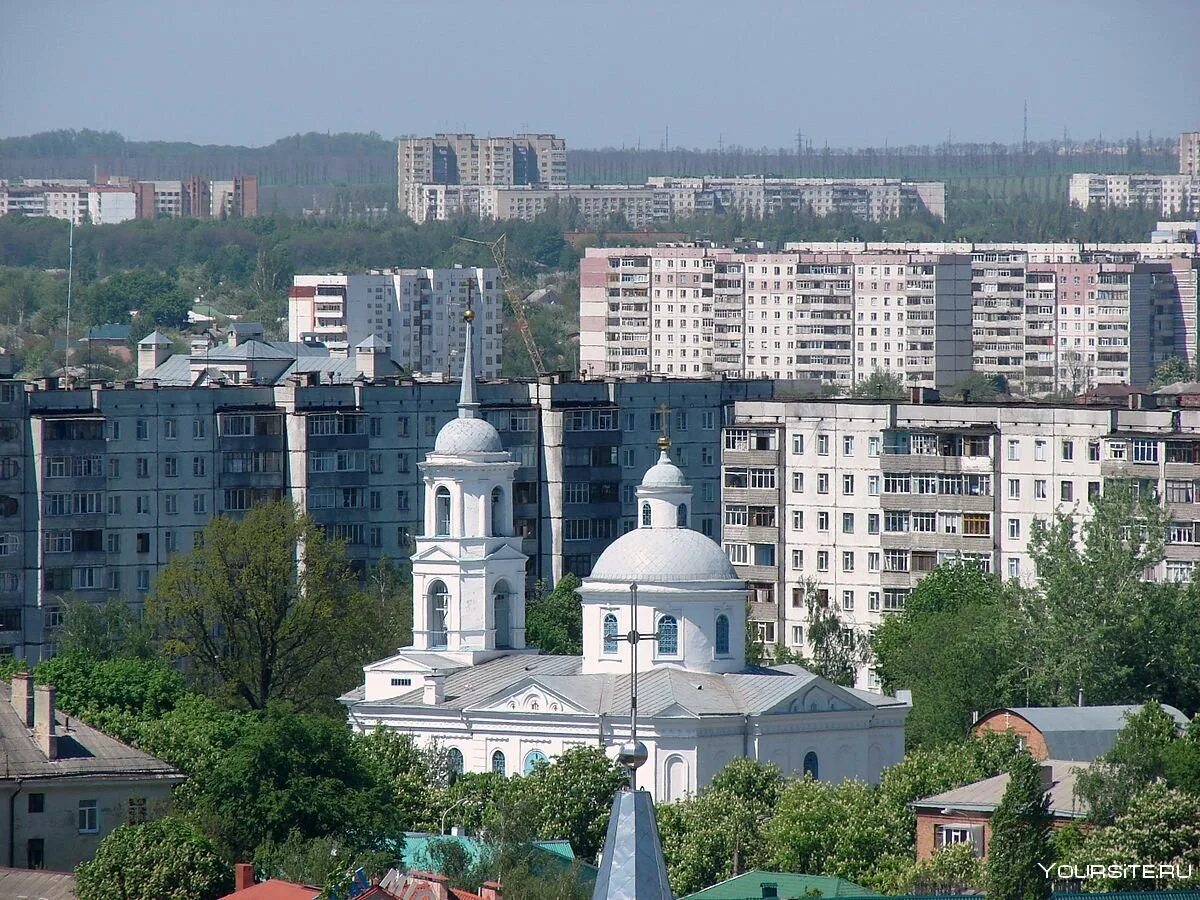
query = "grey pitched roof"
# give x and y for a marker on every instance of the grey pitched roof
(153, 338)
(82, 751)
(344, 370)
(34, 884)
(1081, 732)
(175, 371)
(248, 350)
(664, 691)
(372, 342)
(985, 795)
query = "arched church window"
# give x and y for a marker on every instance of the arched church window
(501, 607)
(810, 765)
(668, 636)
(456, 761)
(441, 511)
(681, 515)
(439, 606)
(498, 763)
(610, 633)
(532, 758)
(645, 515)
(498, 525)
(722, 636)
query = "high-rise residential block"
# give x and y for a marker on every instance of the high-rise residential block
(849, 503)
(415, 313)
(464, 159)
(1189, 153)
(1169, 195)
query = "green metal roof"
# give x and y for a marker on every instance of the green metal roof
(788, 887)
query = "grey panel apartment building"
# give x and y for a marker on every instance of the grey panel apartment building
(862, 498)
(100, 485)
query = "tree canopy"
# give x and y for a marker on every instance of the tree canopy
(164, 859)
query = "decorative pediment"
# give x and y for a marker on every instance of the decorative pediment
(528, 696)
(820, 696)
(436, 553)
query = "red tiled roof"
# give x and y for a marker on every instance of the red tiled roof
(274, 889)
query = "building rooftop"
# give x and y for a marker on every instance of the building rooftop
(788, 885)
(33, 884)
(985, 795)
(82, 751)
(1080, 732)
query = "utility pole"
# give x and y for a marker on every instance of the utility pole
(70, 273)
(1025, 130)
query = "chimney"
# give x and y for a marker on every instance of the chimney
(490, 890)
(1080, 701)
(435, 689)
(243, 876)
(1047, 773)
(44, 729)
(22, 697)
(152, 351)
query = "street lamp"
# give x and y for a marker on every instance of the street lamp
(459, 802)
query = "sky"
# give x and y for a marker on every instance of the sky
(619, 73)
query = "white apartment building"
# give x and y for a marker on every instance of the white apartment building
(859, 499)
(416, 313)
(464, 159)
(826, 316)
(1170, 194)
(111, 205)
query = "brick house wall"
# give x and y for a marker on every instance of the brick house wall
(1003, 722)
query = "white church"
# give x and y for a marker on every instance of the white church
(469, 682)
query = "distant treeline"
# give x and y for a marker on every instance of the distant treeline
(368, 161)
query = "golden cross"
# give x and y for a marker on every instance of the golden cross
(664, 441)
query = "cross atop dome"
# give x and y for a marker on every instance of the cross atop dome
(468, 399)
(664, 439)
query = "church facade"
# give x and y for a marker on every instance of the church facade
(469, 683)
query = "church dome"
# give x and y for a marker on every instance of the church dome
(464, 435)
(663, 473)
(663, 555)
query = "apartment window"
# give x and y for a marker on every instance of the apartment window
(1014, 488)
(1093, 490)
(873, 446)
(1066, 491)
(1014, 529)
(142, 429)
(847, 523)
(822, 560)
(797, 443)
(171, 466)
(822, 482)
(848, 601)
(1039, 451)
(1014, 567)
(894, 520)
(708, 420)
(896, 484)
(1068, 449)
(797, 559)
(798, 482)
(822, 521)
(873, 561)
(1014, 449)
(762, 478)
(924, 522)
(848, 445)
(143, 467)
(797, 635)
(977, 524)
(1117, 450)
(137, 810)
(198, 466)
(37, 803)
(847, 561)
(739, 554)
(199, 504)
(89, 817)
(114, 467)
(1145, 451)
(847, 484)
(872, 523)
(873, 482)
(822, 445)
(1093, 451)
(737, 514)
(1039, 489)
(197, 429)
(895, 560)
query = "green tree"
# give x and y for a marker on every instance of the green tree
(112, 694)
(1093, 623)
(978, 388)
(932, 647)
(151, 293)
(165, 859)
(1171, 370)
(255, 626)
(1143, 753)
(1020, 840)
(323, 860)
(955, 868)
(570, 798)
(103, 631)
(554, 620)
(880, 385)
(838, 648)
(1161, 826)
(389, 584)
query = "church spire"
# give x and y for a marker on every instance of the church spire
(468, 399)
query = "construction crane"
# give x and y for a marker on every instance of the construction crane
(515, 300)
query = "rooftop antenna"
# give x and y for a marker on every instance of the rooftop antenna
(70, 271)
(1025, 130)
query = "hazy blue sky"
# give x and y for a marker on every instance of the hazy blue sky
(846, 72)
